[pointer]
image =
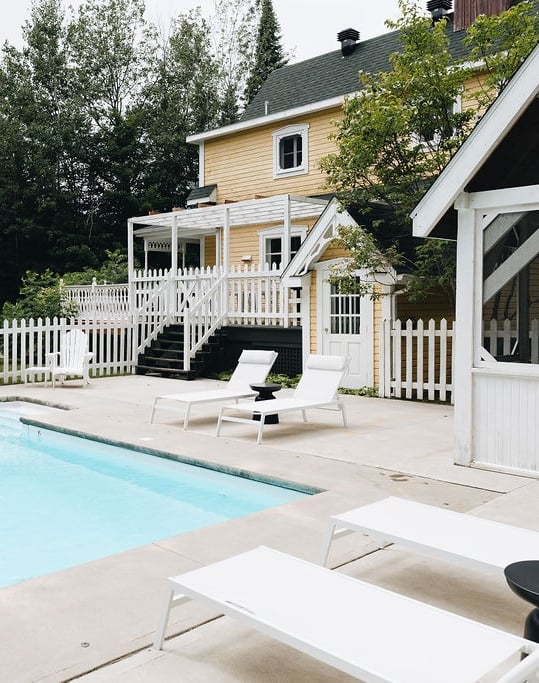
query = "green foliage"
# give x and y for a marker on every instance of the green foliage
(398, 134)
(370, 392)
(501, 43)
(269, 54)
(40, 295)
(94, 114)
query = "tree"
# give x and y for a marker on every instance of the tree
(269, 54)
(182, 99)
(398, 134)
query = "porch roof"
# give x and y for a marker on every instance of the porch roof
(206, 220)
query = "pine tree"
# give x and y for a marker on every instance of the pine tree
(269, 54)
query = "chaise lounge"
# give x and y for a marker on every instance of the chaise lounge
(253, 367)
(473, 542)
(317, 388)
(368, 632)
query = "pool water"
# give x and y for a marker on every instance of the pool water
(67, 500)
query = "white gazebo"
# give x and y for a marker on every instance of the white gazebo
(487, 199)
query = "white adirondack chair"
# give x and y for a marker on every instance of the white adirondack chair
(72, 360)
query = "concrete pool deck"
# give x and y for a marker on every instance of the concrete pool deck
(95, 622)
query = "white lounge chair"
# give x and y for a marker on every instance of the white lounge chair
(354, 626)
(317, 389)
(253, 367)
(464, 539)
(72, 360)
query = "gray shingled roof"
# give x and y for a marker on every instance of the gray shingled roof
(332, 75)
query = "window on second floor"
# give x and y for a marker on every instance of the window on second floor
(290, 151)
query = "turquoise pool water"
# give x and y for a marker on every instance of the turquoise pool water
(66, 500)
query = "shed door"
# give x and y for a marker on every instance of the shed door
(345, 328)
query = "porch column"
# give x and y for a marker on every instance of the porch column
(465, 334)
(130, 256)
(145, 254)
(174, 245)
(286, 233)
(226, 240)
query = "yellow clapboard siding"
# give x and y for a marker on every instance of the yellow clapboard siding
(242, 164)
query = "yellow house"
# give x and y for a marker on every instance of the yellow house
(251, 252)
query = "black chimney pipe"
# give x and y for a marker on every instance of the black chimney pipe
(348, 40)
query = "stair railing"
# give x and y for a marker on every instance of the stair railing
(153, 315)
(203, 316)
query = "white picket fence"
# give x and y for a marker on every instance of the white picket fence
(25, 343)
(415, 360)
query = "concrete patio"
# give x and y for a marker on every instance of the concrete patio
(96, 621)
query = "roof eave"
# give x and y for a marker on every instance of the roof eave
(496, 122)
(265, 120)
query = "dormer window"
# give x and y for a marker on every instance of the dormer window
(290, 151)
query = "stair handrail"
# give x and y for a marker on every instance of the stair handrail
(153, 316)
(203, 317)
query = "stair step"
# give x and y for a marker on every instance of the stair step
(166, 372)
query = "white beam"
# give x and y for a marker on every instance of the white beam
(130, 254)
(501, 201)
(285, 258)
(226, 240)
(511, 266)
(499, 227)
(464, 337)
(174, 245)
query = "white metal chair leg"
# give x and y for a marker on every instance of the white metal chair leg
(171, 600)
(328, 538)
(218, 429)
(261, 428)
(186, 416)
(153, 409)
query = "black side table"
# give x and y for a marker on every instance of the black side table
(523, 579)
(265, 393)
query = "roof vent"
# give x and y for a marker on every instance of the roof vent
(348, 40)
(439, 8)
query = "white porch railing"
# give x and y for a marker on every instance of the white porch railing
(24, 343)
(98, 302)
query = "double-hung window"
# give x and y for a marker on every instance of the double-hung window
(290, 151)
(271, 245)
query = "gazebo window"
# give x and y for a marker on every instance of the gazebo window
(511, 287)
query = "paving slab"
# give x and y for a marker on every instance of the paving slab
(96, 621)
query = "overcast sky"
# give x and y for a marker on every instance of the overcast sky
(309, 27)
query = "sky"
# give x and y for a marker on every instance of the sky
(308, 27)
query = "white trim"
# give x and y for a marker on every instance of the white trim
(506, 200)
(301, 129)
(483, 140)
(201, 165)
(333, 103)
(278, 231)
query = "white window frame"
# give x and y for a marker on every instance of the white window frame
(298, 129)
(268, 233)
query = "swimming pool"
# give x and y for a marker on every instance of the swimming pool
(67, 500)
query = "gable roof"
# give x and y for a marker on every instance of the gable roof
(501, 151)
(331, 75)
(321, 82)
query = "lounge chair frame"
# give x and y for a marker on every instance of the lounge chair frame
(368, 632)
(253, 367)
(317, 389)
(470, 541)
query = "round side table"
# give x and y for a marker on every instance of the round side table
(523, 579)
(265, 393)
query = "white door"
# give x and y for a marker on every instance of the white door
(345, 327)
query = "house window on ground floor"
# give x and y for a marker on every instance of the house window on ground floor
(344, 311)
(511, 287)
(271, 245)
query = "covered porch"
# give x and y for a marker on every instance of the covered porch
(490, 193)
